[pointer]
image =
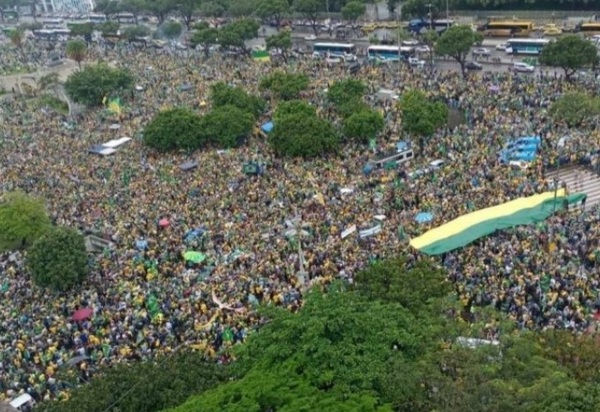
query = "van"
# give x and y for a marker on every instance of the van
(23, 403)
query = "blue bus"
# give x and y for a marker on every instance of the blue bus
(344, 50)
(419, 26)
(389, 53)
(526, 46)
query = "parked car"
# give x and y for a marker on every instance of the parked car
(522, 68)
(481, 51)
(310, 37)
(554, 31)
(471, 65)
(410, 42)
(413, 61)
(501, 46)
(423, 49)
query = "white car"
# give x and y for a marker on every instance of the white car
(413, 61)
(334, 60)
(522, 68)
(436, 164)
(423, 49)
(410, 42)
(310, 37)
(501, 47)
(481, 51)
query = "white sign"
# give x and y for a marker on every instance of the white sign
(370, 232)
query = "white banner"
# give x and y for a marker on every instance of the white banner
(370, 232)
(347, 232)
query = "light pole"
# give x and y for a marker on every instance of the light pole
(296, 231)
(430, 16)
(447, 15)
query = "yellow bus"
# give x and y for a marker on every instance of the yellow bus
(508, 28)
(589, 29)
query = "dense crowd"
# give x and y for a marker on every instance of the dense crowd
(148, 207)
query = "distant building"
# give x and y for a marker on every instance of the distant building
(67, 6)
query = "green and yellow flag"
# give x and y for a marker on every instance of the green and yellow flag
(261, 55)
(115, 106)
(472, 226)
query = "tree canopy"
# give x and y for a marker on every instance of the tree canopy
(293, 107)
(420, 116)
(23, 220)
(175, 129)
(224, 95)
(303, 135)
(457, 42)
(93, 83)
(575, 108)
(58, 259)
(569, 53)
(226, 126)
(363, 125)
(343, 91)
(285, 86)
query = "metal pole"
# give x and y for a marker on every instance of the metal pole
(555, 193)
(447, 15)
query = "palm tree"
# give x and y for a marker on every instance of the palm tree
(76, 50)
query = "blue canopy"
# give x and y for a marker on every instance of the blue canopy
(267, 127)
(424, 217)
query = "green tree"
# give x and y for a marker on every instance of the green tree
(175, 377)
(16, 37)
(430, 38)
(291, 107)
(76, 50)
(58, 259)
(363, 125)
(187, 9)
(171, 29)
(285, 86)
(575, 108)
(273, 10)
(281, 41)
(457, 42)
(301, 135)
(420, 116)
(243, 8)
(212, 9)
(136, 32)
(82, 29)
(570, 53)
(159, 8)
(235, 34)
(23, 220)
(224, 95)
(317, 358)
(175, 129)
(107, 28)
(90, 85)
(353, 10)
(107, 7)
(205, 38)
(414, 285)
(134, 7)
(343, 91)
(310, 9)
(227, 126)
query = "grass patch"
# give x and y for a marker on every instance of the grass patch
(53, 102)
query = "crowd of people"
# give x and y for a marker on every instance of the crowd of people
(153, 212)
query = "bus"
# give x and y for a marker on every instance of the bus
(126, 18)
(96, 18)
(51, 22)
(589, 29)
(44, 34)
(508, 28)
(419, 26)
(345, 50)
(526, 46)
(389, 53)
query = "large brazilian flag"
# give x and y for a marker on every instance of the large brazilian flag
(470, 227)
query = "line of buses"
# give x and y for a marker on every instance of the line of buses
(520, 28)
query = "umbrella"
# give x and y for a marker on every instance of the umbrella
(424, 217)
(114, 126)
(267, 127)
(194, 257)
(141, 244)
(493, 88)
(82, 314)
(163, 222)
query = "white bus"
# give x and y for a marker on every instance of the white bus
(127, 18)
(52, 22)
(346, 51)
(96, 18)
(389, 53)
(526, 46)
